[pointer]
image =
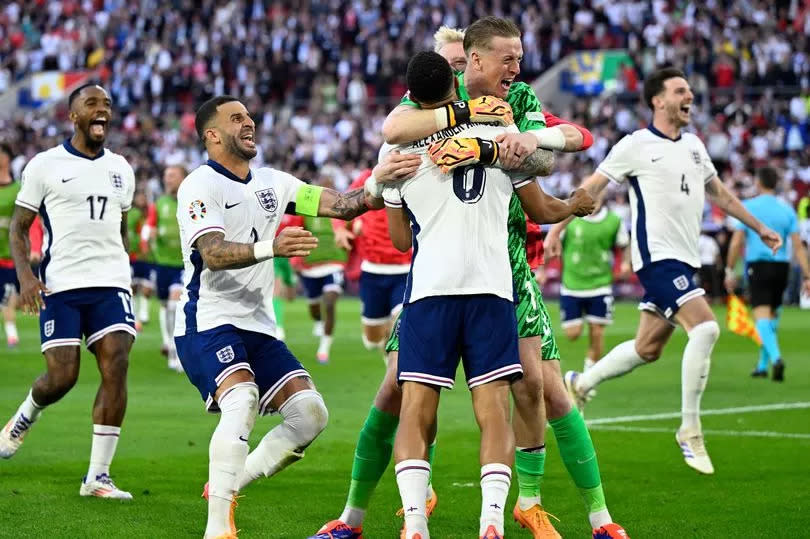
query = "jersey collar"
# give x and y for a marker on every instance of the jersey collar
(227, 173)
(658, 133)
(72, 150)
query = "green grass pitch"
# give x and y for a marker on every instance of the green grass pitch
(760, 488)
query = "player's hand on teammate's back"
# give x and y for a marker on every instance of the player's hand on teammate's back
(581, 203)
(489, 109)
(770, 238)
(396, 167)
(344, 238)
(294, 241)
(454, 152)
(31, 295)
(515, 148)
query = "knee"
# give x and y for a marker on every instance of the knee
(649, 351)
(373, 342)
(529, 390)
(305, 415)
(64, 378)
(573, 332)
(709, 330)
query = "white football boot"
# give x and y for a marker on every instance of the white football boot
(694, 451)
(103, 487)
(11, 437)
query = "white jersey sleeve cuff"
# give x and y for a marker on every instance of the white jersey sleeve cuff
(204, 231)
(26, 205)
(609, 176)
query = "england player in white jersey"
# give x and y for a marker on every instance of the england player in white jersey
(669, 173)
(225, 329)
(82, 191)
(459, 296)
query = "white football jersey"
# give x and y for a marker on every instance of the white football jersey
(211, 198)
(81, 201)
(667, 192)
(458, 222)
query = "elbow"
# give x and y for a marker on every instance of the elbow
(547, 167)
(211, 262)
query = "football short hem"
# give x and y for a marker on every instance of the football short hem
(264, 401)
(600, 320)
(572, 322)
(653, 308)
(503, 372)
(692, 294)
(333, 288)
(54, 343)
(144, 283)
(375, 321)
(242, 365)
(428, 379)
(313, 301)
(109, 329)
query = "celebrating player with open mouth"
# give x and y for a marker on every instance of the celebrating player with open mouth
(226, 334)
(82, 191)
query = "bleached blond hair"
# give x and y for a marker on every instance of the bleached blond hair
(446, 35)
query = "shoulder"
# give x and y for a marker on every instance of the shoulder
(44, 158)
(199, 179)
(521, 96)
(275, 176)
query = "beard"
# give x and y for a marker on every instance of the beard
(92, 143)
(233, 147)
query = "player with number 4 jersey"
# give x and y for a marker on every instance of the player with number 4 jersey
(82, 192)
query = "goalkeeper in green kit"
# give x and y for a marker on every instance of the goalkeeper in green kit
(493, 50)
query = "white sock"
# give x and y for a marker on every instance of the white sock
(495, 481)
(11, 330)
(305, 416)
(143, 308)
(695, 371)
(164, 333)
(105, 440)
(352, 516)
(588, 364)
(325, 345)
(619, 361)
(412, 479)
(25, 416)
(317, 328)
(171, 309)
(227, 453)
(599, 518)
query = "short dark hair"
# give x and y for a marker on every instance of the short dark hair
(207, 111)
(429, 77)
(5, 148)
(654, 84)
(481, 32)
(769, 177)
(75, 93)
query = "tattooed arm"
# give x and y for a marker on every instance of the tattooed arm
(30, 286)
(346, 205)
(538, 163)
(219, 254)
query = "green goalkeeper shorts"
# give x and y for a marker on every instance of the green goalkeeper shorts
(532, 316)
(283, 271)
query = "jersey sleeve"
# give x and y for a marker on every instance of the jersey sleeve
(526, 108)
(129, 193)
(199, 209)
(32, 191)
(709, 170)
(392, 197)
(619, 162)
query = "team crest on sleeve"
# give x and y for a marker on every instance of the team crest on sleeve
(267, 199)
(49, 328)
(696, 157)
(226, 355)
(117, 181)
(681, 282)
(196, 210)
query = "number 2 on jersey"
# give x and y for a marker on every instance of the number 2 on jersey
(102, 201)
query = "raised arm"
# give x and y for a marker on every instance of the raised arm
(594, 185)
(543, 208)
(218, 254)
(30, 287)
(729, 203)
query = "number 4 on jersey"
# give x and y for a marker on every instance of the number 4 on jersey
(684, 185)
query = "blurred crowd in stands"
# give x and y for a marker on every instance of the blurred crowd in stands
(319, 76)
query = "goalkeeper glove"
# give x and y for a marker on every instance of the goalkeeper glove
(450, 153)
(486, 109)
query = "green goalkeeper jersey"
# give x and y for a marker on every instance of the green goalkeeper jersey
(8, 196)
(528, 114)
(167, 247)
(588, 244)
(135, 220)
